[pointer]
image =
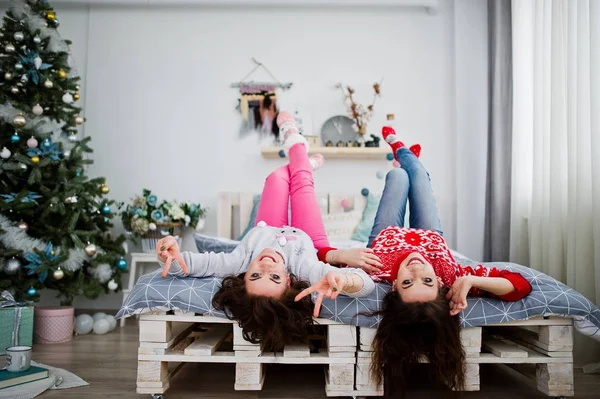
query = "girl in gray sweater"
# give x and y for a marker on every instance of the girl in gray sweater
(269, 276)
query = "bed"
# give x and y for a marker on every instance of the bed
(178, 324)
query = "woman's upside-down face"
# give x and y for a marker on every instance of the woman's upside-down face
(416, 280)
(267, 275)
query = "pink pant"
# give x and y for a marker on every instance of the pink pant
(293, 183)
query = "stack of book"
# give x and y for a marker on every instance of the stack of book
(9, 379)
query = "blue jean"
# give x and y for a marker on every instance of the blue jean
(410, 182)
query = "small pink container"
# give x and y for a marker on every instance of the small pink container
(53, 325)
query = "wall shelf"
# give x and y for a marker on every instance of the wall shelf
(374, 153)
(430, 5)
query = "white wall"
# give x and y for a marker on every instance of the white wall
(161, 113)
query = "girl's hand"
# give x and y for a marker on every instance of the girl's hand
(457, 295)
(167, 250)
(362, 258)
(330, 286)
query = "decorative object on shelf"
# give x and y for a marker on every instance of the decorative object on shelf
(329, 143)
(373, 142)
(258, 102)
(338, 129)
(313, 141)
(360, 114)
(167, 216)
(54, 325)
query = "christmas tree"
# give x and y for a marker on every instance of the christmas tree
(54, 221)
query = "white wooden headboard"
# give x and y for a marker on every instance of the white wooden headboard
(234, 209)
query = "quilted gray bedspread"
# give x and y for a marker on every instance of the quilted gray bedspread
(548, 297)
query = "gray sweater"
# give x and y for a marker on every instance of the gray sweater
(293, 244)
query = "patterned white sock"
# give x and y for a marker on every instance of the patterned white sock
(317, 161)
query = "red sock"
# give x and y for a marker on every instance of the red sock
(416, 149)
(389, 135)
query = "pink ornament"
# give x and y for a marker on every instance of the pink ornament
(32, 142)
(396, 164)
(345, 204)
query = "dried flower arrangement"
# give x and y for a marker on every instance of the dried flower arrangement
(360, 113)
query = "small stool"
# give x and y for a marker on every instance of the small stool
(144, 259)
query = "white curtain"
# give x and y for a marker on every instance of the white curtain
(555, 194)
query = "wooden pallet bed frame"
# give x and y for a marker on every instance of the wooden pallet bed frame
(542, 346)
(546, 344)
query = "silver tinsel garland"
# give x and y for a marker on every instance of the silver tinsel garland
(102, 272)
(14, 237)
(22, 11)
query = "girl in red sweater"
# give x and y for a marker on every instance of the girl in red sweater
(429, 288)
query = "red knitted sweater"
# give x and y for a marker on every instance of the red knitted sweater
(394, 244)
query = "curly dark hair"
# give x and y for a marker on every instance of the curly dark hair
(270, 322)
(408, 332)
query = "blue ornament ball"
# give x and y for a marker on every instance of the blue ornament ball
(106, 209)
(46, 144)
(281, 154)
(32, 292)
(15, 138)
(380, 175)
(390, 157)
(122, 263)
(365, 192)
(78, 173)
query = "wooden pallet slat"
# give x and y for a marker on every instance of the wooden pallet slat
(296, 350)
(503, 347)
(208, 342)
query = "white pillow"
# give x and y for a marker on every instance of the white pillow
(341, 226)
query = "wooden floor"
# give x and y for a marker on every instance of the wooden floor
(108, 363)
